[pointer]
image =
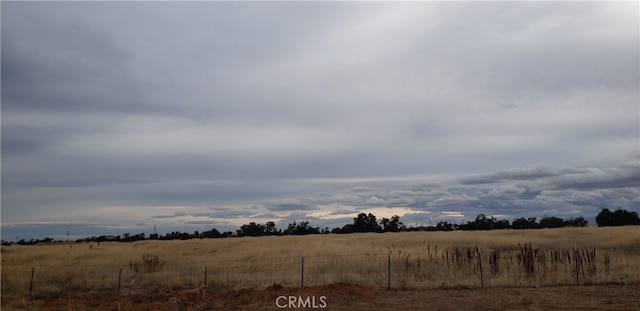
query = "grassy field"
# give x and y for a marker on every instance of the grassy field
(404, 260)
(232, 249)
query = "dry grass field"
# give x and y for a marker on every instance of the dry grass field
(113, 276)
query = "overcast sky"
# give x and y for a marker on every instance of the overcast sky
(118, 116)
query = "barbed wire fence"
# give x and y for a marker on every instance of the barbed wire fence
(458, 267)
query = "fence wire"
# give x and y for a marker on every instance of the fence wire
(450, 267)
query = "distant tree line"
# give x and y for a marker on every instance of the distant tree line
(618, 218)
(368, 223)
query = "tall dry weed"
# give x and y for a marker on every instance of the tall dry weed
(418, 259)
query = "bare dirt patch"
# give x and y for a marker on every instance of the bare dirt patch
(342, 296)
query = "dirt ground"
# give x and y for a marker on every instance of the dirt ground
(356, 297)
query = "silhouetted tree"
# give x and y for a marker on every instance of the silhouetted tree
(392, 225)
(481, 223)
(213, 233)
(270, 228)
(366, 223)
(623, 218)
(348, 228)
(604, 218)
(576, 222)
(252, 229)
(551, 222)
(445, 226)
(301, 229)
(618, 218)
(501, 224)
(524, 223)
(484, 223)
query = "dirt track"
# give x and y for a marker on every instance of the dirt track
(356, 297)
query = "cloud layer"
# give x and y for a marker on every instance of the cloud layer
(179, 114)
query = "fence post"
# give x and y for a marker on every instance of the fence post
(33, 269)
(575, 255)
(302, 272)
(480, 266)
(205, 274)
(119, 279)
(389, 270)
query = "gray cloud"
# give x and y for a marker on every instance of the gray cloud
(623, 176)
(526, 173)
(375, 201)
(342, 212)
(273, 109)
(289, 205)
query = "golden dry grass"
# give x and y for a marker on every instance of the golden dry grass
(419, 259)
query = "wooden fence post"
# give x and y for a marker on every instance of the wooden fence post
(119, 279)
(205, 274)
(576, 253)
(389, 270)
(302, 272)
(480, 266)
(33, 269)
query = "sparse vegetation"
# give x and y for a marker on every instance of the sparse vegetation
(418, 260)
(149, 264)
(367, 223)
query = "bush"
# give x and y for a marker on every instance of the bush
(150, 264)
